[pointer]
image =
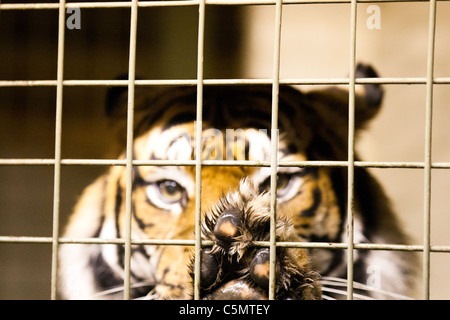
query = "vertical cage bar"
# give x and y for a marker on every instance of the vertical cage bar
(274, 148)
(198, 148)
(129, 148)
(57, 166)
(428, 150)
(351, 150)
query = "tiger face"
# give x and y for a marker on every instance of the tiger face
(235, 200)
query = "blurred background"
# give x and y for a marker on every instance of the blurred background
(238, 44)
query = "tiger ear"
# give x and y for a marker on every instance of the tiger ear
(116, 102)
(370, 96)
(333, 102)
(116, 99)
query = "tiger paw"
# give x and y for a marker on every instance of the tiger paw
(235, 268)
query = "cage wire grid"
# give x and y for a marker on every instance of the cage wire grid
(57, 162)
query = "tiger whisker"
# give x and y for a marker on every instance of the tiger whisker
(338, 282)
(121, 289)
(344, 293)
(151, 295)
(327, 286)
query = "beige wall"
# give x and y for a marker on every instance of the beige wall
(316, 43)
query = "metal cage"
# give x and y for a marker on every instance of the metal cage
(57, 162)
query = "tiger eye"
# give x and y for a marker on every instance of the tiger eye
(283, 181)
(171, 190)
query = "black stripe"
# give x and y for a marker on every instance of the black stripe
(309, 171)
(117, 208)
(139, 221)
(100, 226)
(140, 249)
(104, 269)
(317, 194)
(104, 277)
(180, 118)
(247, 150)
(102, 210)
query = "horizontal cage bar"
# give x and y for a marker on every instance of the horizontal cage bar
(211, 163)
(193, 82)
(183, 242)
(116, 4)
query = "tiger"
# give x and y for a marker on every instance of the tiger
(311, 201)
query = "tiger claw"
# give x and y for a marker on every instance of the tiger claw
(228, 227)
(260, 267)
(209, 268)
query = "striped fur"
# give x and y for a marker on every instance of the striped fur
(236, 126)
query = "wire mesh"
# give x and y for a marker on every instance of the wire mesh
(57, 162)
(198, 148)
(57, 165)
(427, 153)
